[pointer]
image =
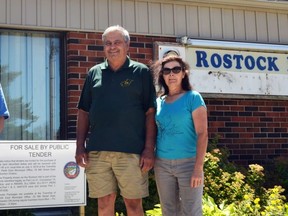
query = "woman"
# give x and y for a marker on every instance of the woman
(181, 141)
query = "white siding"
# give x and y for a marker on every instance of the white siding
(283, 28)
(228, 25)
(154, 17)
(88, 14)
(142, 9)
(29, 15)
(250, 26)
(115, 12)
(272, 29)
(192, 21)
(180, 20)
(3, 12)
(216, 23)
(239, 25)
(102, 15)
(167, 19)
(204, 22)
(74, 14)
(128, 12)
(59, 12)
(14, 12)
(261, 26)
(220, 20)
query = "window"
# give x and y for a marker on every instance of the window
(30, 77)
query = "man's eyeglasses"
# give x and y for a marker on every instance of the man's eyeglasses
(174, 70)
(115, 43)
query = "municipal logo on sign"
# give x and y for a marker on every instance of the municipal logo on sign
(71, 170)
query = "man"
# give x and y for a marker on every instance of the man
(117, 104)
(4, 113)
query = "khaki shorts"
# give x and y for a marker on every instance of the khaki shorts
(109, 170)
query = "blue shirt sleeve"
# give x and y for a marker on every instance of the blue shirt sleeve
(3, 106)
(195, 100)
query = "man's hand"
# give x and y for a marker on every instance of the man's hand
(81, 157)
(147, 160)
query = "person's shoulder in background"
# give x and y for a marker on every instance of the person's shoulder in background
(4, 112)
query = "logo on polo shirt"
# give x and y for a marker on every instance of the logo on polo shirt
(126, 83)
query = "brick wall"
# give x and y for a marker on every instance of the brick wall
(255, 131)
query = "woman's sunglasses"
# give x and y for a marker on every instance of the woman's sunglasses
(174, 70)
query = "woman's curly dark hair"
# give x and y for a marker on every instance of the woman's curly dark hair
(156, 69)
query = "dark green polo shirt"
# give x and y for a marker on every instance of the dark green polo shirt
(117, 102)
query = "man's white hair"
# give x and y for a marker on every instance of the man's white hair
(119, 28)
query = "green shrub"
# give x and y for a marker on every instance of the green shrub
(277, 173)
(241, 193)
(223, 183)
(231, 190)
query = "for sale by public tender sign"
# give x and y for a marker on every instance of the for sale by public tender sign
(38, 174)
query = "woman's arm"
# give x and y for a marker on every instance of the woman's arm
(201, 126)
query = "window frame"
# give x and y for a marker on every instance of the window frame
(62, 76)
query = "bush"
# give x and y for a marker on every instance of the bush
(240, 193)
(277, 173)
(231, 190)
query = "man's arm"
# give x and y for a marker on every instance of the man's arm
(1, 123)
(81, 134)
(147, 157)
(3, 109)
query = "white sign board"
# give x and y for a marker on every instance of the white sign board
(235, 71)
(38, 174)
